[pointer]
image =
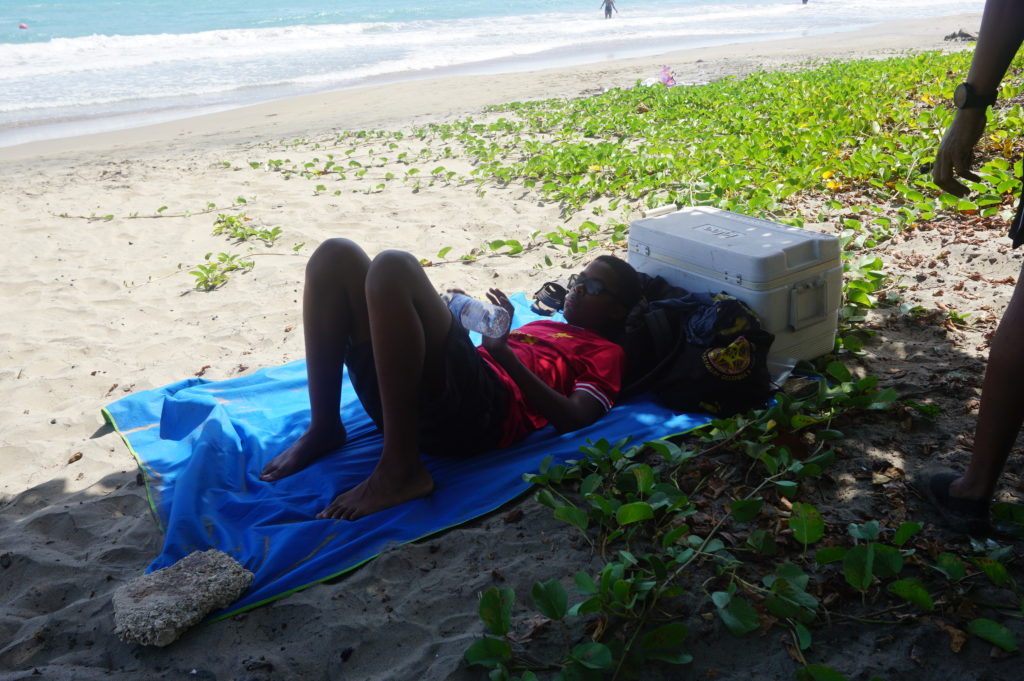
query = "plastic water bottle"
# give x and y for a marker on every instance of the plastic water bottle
(475, 315)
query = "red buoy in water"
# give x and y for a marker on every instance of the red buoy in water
(22, 25)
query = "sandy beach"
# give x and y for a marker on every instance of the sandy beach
(97, 302)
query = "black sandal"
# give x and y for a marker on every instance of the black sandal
(549, 299)
(969, 516)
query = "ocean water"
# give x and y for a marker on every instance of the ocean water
(91, 65)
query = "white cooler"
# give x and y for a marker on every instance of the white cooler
(791, 277)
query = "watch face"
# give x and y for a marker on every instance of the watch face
(960, 95)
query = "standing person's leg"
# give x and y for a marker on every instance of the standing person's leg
(334, 316)
(963, 501)
(1002, 404)
(409, 325)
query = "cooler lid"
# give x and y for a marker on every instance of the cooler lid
(715, 240)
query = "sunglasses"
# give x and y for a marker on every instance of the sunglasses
(592, 287)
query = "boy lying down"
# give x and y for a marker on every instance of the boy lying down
(423, 382)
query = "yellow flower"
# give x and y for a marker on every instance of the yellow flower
(927, 99)
(833, 185)
(595, 168)
(827, 174)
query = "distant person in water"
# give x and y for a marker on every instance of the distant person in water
(423, 382)
(609, 5)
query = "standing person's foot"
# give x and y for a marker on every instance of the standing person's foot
(960, 514)
(308, 448)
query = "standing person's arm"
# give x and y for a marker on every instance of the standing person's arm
(1001, 34)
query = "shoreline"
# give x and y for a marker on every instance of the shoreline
(446, 93)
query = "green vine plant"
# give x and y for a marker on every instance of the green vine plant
(160, 212)
(213, 273)
(714, 521)
(236, 227)
(588, 236)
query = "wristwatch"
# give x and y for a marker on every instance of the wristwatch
(966, 97)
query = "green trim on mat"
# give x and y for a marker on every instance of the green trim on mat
(146, 478)
(350, 568)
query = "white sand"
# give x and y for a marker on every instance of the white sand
(92, 310)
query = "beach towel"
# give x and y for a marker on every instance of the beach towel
(201, 445)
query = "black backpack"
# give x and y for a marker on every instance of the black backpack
(696, 352)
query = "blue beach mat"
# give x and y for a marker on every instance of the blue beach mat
(201, 446)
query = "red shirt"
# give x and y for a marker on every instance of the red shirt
(567, 358)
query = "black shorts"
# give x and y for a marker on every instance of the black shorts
(463, 417)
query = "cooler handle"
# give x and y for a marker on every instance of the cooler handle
(818, 288)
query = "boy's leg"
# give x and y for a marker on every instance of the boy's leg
(334, 315)
(1002, 410)
(409, 326)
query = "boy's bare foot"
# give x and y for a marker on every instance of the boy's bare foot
(379, 491)
(308, 448)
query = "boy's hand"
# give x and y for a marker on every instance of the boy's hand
(497, 346)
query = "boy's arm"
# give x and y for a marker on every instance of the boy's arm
(565, 413)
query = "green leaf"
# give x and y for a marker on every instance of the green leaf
(888, 561)
(819, 672)
(738, 616)
(496, 610)
(665, 637)
(762, 542)
(585, 584)
(550, 598)
(721, 598)
(830, 554)
(839, 372)
(591, 483)
(1007, 512)
(644, 475)
(807, 524)
(913, 591)
(994, 633)
(995, 570)
(543, 496)
(593, 655)
(673, 536)
(798, 421)
(573, 516)
(635, 512)
(858, 566)
(951, 566)
(867, 531)
(745, 510)
(488, 652)
(803, 636)
(905, 532)
(586, 607)
(786, 487)
(670, 656)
